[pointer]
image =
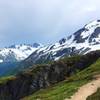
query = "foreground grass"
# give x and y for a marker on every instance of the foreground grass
(95, 96)
(57, 92)
(68, 87)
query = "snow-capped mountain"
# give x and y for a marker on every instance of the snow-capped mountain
(87, 37)
(81, 42)
(17, 52)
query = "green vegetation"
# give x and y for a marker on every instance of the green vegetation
(34, 69)
(71, 59)
(6, 79)
(95, 96)
(57, 92)
(68, 87)
(89, 72)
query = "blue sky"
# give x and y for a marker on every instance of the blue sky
(43, 21)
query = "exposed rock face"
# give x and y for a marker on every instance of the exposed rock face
(15, 89)
(78, 38)
(62, 41)
(42, 76)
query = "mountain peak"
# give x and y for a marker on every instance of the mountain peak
(89, 34)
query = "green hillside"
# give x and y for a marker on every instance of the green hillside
(54, 81)
(68, 87)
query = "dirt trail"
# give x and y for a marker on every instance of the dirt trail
(87, 90)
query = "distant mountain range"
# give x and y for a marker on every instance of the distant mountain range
(15, 53)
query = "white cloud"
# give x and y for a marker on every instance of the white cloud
(49, 19)
(91, 9)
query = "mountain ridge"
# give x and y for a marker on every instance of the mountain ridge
(83, 41)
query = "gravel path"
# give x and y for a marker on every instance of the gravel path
(87, 90)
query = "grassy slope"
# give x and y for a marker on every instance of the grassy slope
(95, 96)
(3, 80)
(67, 88)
